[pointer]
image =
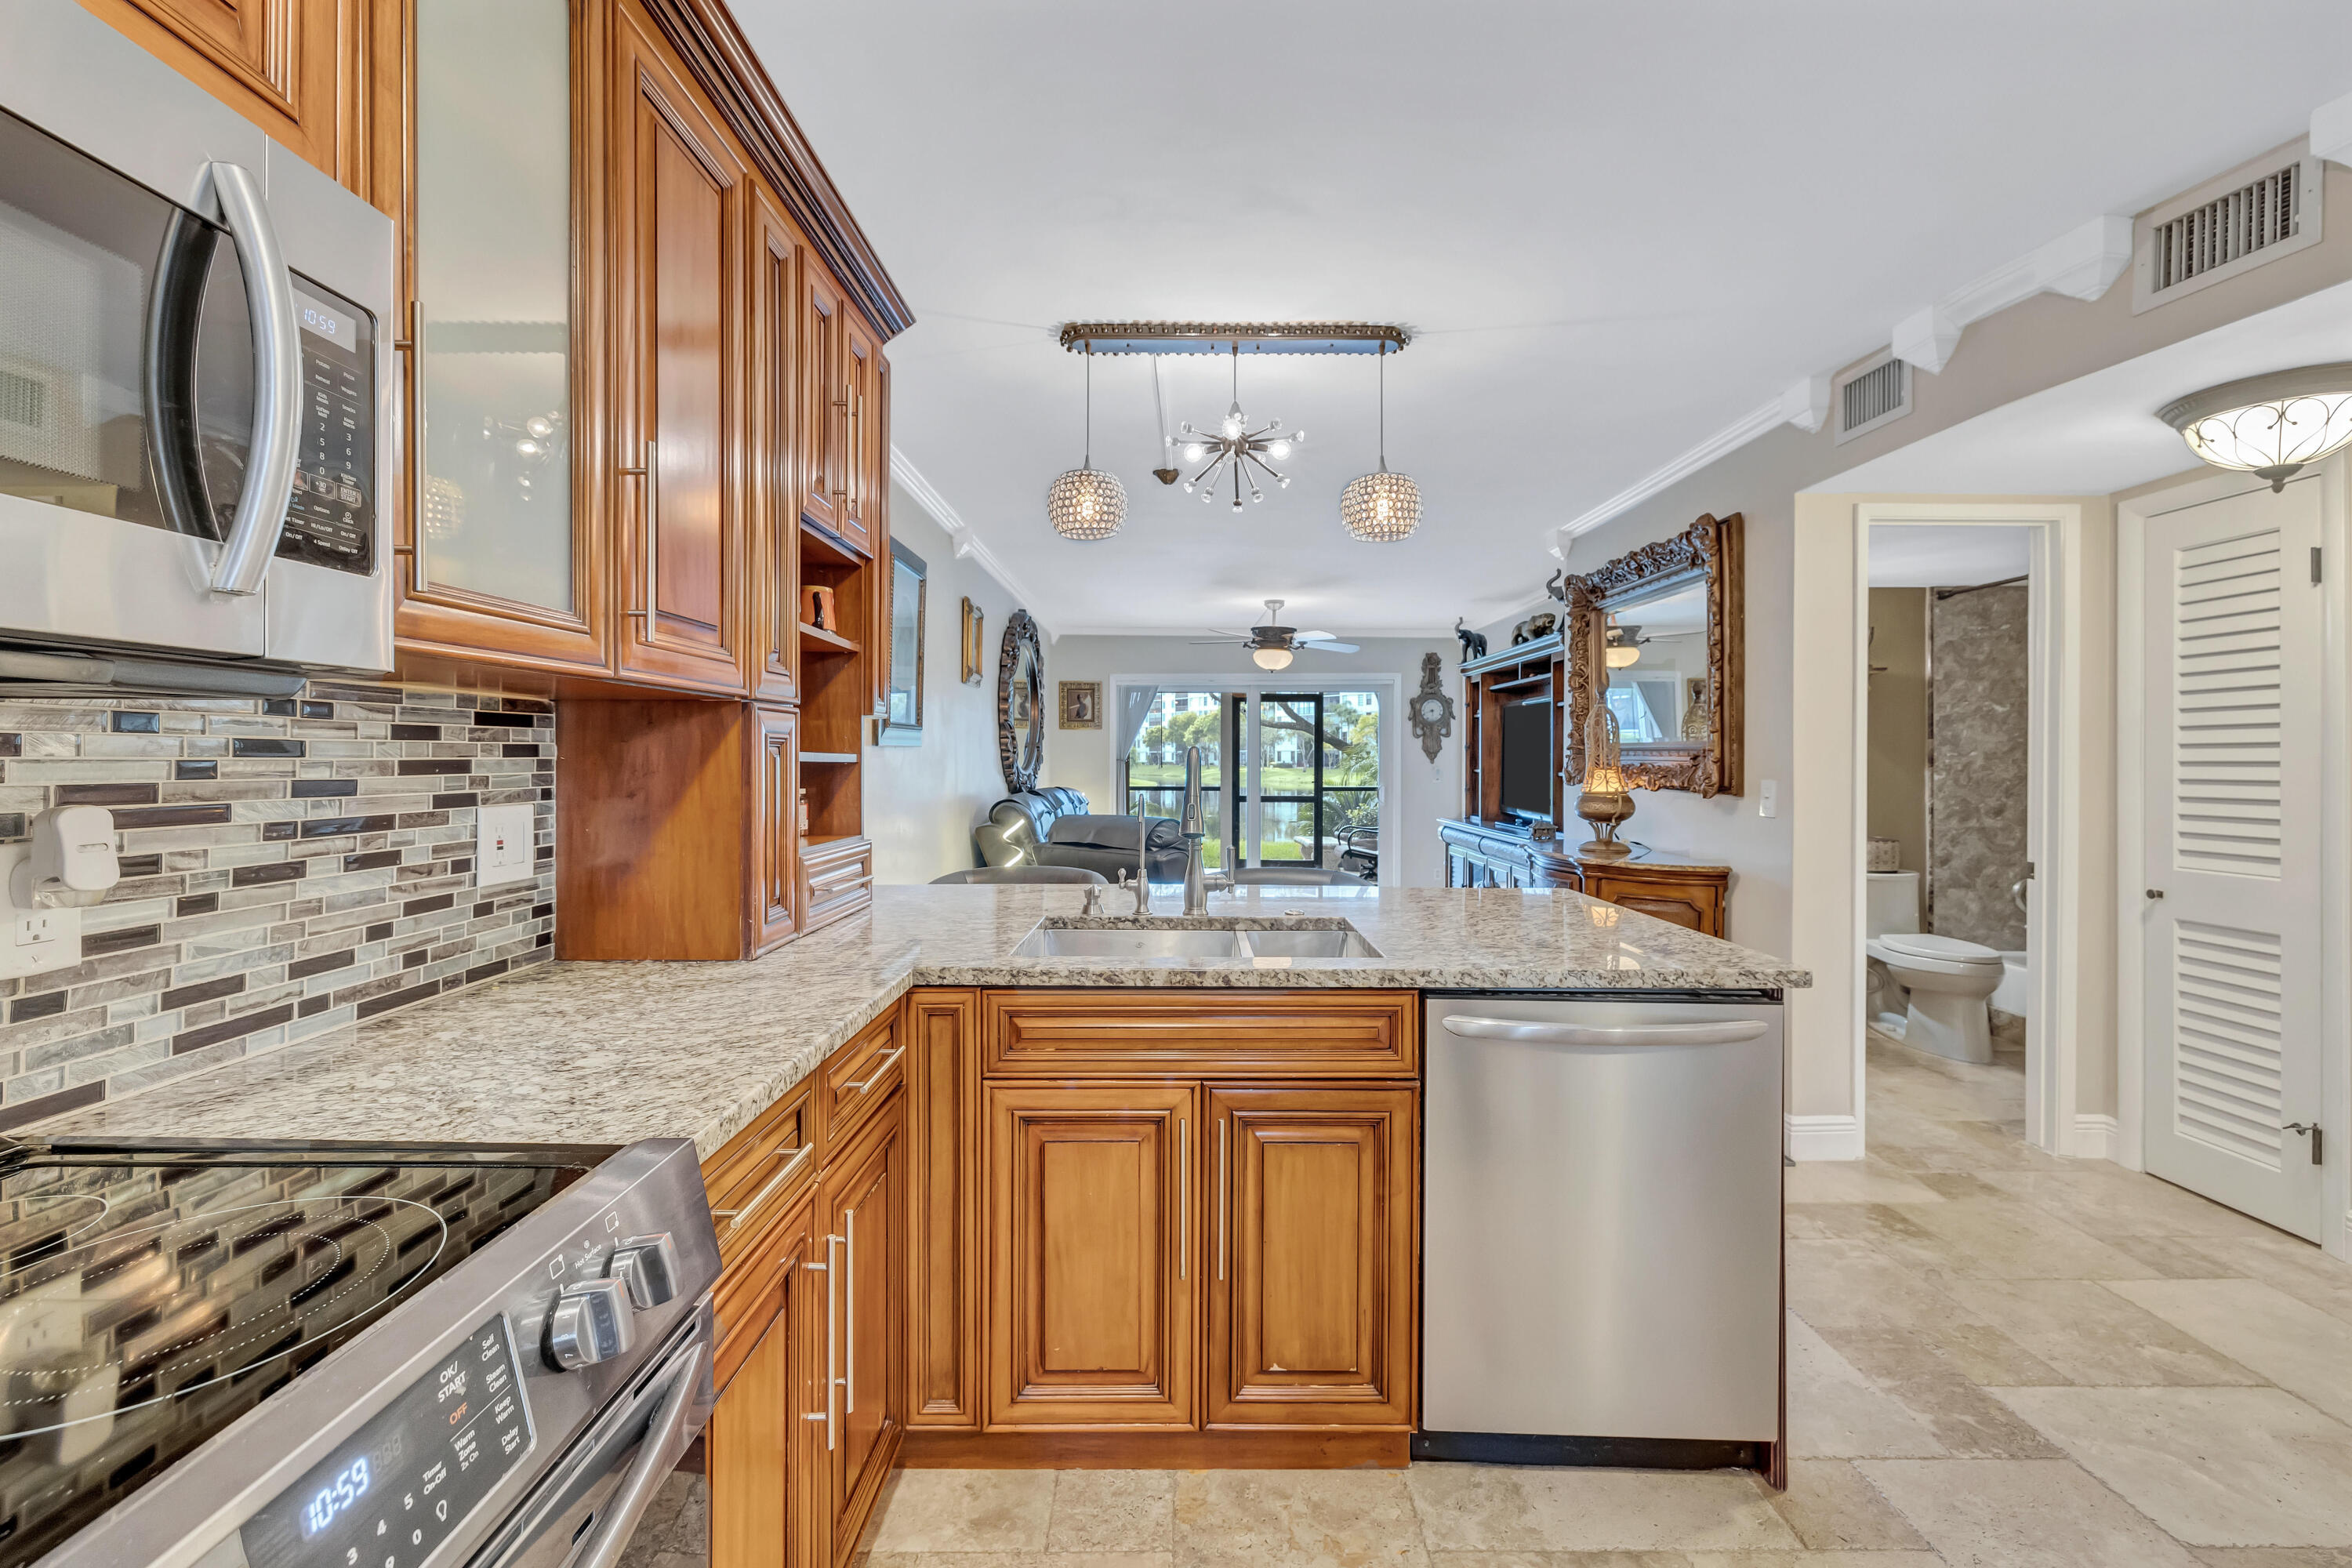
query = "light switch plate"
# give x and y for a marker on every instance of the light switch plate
(32, 941)
(502, 847)
(1767, 798)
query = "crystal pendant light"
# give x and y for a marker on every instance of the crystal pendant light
(1085, 503)
(2269, 425)
(1382, 506)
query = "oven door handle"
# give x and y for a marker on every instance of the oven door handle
(1733, 1032)
(654, 1462)
(269, 459)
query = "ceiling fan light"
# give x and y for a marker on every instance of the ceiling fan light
(1087, 504)
(1624, 655)
(2268, 425)
(1270, 657)
(1381, 508)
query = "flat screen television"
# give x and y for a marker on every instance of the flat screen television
(1530, 759)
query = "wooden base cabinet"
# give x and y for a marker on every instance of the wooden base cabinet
(1311, 1299)
(861, 1203)
(1093, 1282)
(756, 1445)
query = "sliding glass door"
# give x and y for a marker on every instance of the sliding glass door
(1305, 785)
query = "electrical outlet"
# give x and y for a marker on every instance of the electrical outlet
(36, 940)
(502, 845)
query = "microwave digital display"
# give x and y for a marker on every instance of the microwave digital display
(331, 515)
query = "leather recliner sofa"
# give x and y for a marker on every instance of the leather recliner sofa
(1052, 827)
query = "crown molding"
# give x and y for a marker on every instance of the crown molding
(2331, 131)
(2081, 263)
(1730, 438)
(968, 545)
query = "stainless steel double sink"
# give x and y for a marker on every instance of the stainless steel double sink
(1190, 938)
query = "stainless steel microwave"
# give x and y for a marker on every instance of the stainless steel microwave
(196, 408)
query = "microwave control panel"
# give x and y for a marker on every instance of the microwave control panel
(330, 516)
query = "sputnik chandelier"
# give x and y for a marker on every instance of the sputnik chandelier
(1236, 448)
(1232, 455)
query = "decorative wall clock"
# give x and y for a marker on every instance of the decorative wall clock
(1432, 709)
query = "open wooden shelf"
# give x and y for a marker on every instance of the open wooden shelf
(816, 639)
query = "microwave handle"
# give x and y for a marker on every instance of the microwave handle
(277, 384)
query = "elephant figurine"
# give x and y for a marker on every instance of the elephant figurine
(1474, 644)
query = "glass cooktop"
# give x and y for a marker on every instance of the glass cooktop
(151, 1294)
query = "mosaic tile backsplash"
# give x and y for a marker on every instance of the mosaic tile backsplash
(289, 866)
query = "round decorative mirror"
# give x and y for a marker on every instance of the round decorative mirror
(1021, 703)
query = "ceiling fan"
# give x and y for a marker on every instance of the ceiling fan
(1271, 646)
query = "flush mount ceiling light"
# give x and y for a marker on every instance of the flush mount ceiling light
(1085, 503)
(1624, 649)
(2268, 425)
(1382, 506)
(1234, 447)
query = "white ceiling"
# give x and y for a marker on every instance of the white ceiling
(1616, 229)
(1937, 555)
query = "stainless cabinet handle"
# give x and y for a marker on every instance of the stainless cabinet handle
(1221, 1197)
(1731, 1033)
(776, 1184)
(849, 1317)
(1183, 1197)
(277, 384)
(832, 1337)
(880, 1068)
(412, 410)
(651, 472)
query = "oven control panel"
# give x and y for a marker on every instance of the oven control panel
(330, 516)
(397, 1487)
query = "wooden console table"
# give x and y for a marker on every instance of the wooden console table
(1482, 854)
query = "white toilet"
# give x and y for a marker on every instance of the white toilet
(1943, 981)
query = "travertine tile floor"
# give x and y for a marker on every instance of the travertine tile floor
(1996, 1357)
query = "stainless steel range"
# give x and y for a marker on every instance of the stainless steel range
(335, 1356)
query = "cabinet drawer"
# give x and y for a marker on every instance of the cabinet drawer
(839, 876)
(859, 1076)
(1285, 1034)
(754, 1179)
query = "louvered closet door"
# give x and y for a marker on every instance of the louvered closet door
(2232, 770)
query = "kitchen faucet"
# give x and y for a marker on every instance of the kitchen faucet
(1191, 822)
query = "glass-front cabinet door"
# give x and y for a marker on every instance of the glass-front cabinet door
(502, 546)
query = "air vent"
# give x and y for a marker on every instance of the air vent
(22, 400)
(1871, 397)
(2249, 217)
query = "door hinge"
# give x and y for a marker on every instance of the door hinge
(2309, 1130)
(2314, 563)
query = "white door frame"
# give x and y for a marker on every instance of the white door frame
(2336, 802)
(2054, 824)
(1390, 688)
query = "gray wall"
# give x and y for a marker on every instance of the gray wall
(1978, 790)
(920, 802)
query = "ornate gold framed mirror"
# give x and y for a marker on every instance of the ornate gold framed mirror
(1657, 635)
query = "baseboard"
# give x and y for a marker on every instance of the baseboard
(1824, 1137)
(2094, 1136)
(1224, 1448)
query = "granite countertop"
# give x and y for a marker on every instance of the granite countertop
(609, 1052)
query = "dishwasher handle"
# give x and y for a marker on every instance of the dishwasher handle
(1731, 1032)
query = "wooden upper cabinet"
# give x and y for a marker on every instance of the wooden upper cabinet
(774, 455)
(857, 502)
(1312, 1273)
(322, 78)
(825, 355)
(775, 870)
(678, 214)
(1093, 1240)
(862, 1206)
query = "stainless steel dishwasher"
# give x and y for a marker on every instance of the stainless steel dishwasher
(1602, 1228)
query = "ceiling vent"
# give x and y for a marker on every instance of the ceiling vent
(2250, 217)
(1875, 395)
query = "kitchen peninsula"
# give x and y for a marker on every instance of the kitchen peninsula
(977, 1207)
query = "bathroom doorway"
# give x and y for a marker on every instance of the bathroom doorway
(1961, 746)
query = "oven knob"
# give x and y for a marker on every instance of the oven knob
(589, 1324)
(647, 1266)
